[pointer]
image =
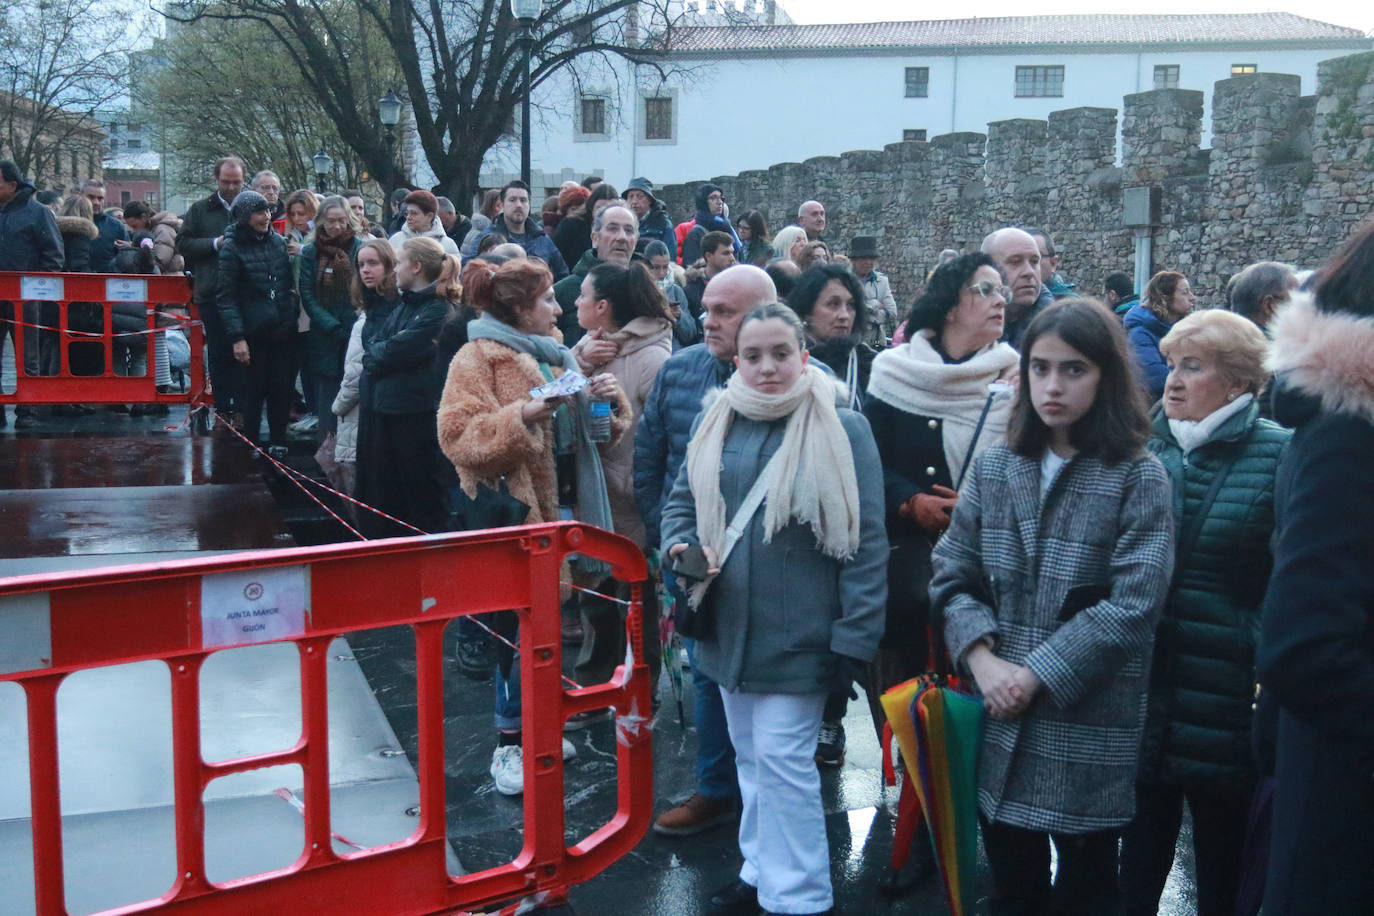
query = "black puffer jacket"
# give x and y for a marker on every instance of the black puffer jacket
(254, 293)
(1197, 731)
(77, 235)
(399, 363)
(29, 239)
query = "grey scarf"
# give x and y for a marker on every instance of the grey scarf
(593, 506)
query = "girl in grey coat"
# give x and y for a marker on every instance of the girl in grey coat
(798, 603)
(1050, 581)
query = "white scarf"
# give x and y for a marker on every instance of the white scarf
(815, 483)
(914, 377)
(1189, 434)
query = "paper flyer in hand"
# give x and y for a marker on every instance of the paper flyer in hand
(566, 385)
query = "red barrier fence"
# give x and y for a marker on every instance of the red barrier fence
(50, 299)
(52, 626)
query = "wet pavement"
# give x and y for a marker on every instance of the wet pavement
(111, 483)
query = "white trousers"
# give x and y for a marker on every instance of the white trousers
(782, 823)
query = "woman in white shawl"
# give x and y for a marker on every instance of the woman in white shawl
(935, 402)
(796, 606)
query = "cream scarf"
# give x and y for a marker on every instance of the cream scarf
(815, 481)
(1189, 434)
(913, 377)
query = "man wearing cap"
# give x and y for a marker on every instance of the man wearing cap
(882, 307)
(654, 223)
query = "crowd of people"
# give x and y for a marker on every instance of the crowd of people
(1136, 528)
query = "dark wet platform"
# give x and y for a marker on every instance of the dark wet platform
(100, 490)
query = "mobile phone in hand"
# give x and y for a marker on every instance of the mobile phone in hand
(691, 563)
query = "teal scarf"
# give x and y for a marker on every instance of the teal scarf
(593, 506)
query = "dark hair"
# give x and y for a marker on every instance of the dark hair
(1119, 282)
(942, 292)
(140, 257)
(351, 192)
(10, 172)
(1049, 242)
(399, 195)
(803, 296)
(784, 277)
(490, 198)
(506, 291)
(711, 242)
(603, 191)
(490, 241)
(592, 181)
(807, 256)
(424, 200)
(47, 198)
(656, 249)
(516, 184)
(138, 209)
(775, 310)
(758, 229)
(631, 292)
(1345, 283)
(1116, 427)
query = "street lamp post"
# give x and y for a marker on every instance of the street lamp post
(526, 11)
(389, 113)
(323, 164)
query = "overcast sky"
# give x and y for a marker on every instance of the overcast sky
(1357, 14)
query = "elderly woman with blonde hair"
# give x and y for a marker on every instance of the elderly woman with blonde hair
(788, 242)
(1222, 458)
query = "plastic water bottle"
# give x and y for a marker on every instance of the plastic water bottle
(599, 422)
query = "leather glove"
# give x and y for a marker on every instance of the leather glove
(852, 671)
(931, 510)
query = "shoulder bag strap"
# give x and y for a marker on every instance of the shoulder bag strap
(977, 431)
(1188, 538)
(745, 514)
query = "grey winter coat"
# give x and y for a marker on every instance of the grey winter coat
(1070, 586)
(784, 610)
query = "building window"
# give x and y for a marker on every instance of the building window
(658, 118)
(914, 133)
(1166, 76)
(593, 115)
(1040, 82)
(125, 197)
(114, 147)
(133, 143)
(1243, 69)
(917, 82)
(151, 197)
(112, 127)
(134, 127)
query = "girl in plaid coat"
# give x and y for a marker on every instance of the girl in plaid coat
(1050, 581)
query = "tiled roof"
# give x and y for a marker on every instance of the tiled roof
(1018, 31)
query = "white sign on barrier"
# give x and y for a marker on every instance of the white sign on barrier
(25, 632)
(126, 290)
(48, 289)
(254, 605)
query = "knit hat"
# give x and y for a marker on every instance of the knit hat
(246, 204)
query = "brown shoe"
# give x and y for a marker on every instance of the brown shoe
(695, 815)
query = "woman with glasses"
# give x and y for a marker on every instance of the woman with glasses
(935, 402)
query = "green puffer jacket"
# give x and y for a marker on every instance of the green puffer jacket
(331, 314)
(1197, 730)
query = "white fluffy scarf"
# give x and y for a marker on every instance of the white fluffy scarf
(1189, 434)
(914, 377)
(816, 483)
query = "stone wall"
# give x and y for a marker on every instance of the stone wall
(1287, 177)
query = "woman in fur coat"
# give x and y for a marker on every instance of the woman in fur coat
(496, 434)
(1316, 656)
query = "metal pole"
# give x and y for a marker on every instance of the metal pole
(525, 108)
(388, 181)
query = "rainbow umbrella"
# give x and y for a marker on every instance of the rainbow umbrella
(937, 729)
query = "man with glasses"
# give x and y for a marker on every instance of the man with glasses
(268, 185)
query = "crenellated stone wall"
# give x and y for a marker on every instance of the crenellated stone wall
(1287, 177)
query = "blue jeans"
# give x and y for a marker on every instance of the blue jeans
(716, 776)
(508, 697)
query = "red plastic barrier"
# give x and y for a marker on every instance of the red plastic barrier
(62, 290)
(154, 611)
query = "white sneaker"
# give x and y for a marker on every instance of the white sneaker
(305, 424)
(508, 770)
(569, 752)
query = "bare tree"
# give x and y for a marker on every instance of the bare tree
(224, 87)
(462, 64)
(60, 61)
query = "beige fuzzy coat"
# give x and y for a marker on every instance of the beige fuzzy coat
(481, 432)
(645, 345)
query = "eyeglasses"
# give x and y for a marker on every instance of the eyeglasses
(985, 288)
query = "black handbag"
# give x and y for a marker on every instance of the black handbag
(491, 508)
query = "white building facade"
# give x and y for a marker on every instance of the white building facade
(750, 97)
